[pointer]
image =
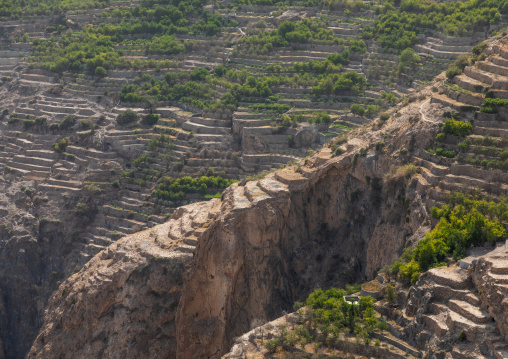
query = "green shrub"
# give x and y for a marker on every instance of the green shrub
(322, 117)
(440, 137)
(13, 119)
(100, 71)
(466, 223)
(478, 49)
(68, 156)
(384, 116)
(220, 70)
(61, 144)
(349, 82)
(410, 272)
(358, 46)
(371, 110)
(395, 268)
(390, 293)
(462, 336)
(67, 122)
(338, 151)
(463, 146)
(272, 345)
(444, 153)
(151, 119)
(27, 124)
(452, 72)
(174, 189)
(270, 108)
(87, 123)
(357, 110)
(461, 62)
(126, 117)
(495, 102)
(41, 121)
(408, 60)
(457, 128)
(140, 182)
(199, 74)
(490, 110)
(116, 184)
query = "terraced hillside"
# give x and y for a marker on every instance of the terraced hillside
(115, 113)
(324, 221)
(451, 312)
(474, 158)
(455, 310)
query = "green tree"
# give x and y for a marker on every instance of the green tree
(408, 60)
(100, 72)
(357, 110)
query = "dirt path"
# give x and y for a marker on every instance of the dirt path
(422, 109)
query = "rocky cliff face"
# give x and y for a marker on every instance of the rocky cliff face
(122, 303)
(36, 253)
(269, 242)
(329, 222)
(42, 233)
(490, 276)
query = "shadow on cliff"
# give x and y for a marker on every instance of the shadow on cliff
(338, 227)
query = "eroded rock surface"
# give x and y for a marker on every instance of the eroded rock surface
(122, 303)
(267, 243)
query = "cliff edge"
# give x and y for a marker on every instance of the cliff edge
(328, 221)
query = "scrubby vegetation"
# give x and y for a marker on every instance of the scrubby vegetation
(17, 9)
(457, 128)
(463, 223)
(127, 117)
(398, 27)
(326, 316)
(94, 47)
(336, 84)
(333, 63)
(175, 189)
(490, 105)
(287, 32)
(187, 87)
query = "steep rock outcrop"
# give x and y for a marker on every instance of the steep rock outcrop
(328, 221)
(457, 311)
(490, 275)
(122, 303)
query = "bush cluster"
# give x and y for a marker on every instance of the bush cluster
(174, 189)
(307, 30)
(326, 314)
(128, 116)
(340, 83)
(463, 223)
(398, 28)
(442, 152)
(457, 128)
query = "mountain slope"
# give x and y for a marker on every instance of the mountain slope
(325, 222)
